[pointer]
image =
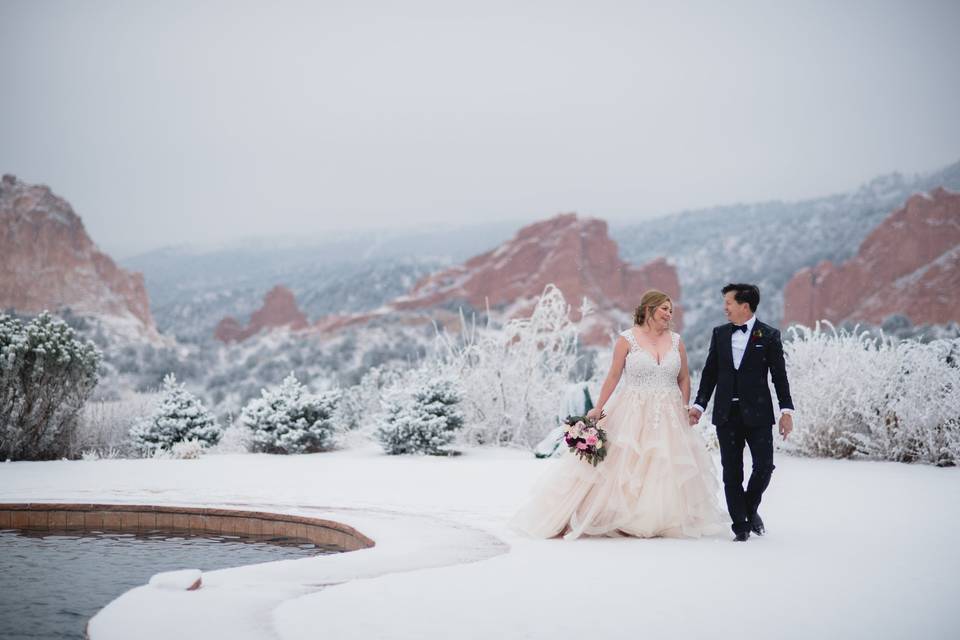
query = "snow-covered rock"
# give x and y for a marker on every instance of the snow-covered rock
(48, 262)
(182, 580)
(576, 254)
(909, 265)
(279, 310)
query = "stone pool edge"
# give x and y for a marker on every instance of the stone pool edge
(405, 541)
(48, 516)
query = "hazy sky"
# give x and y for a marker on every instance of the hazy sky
(174, 122)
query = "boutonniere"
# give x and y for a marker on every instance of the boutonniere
(757, 333)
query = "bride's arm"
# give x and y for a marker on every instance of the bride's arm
(620, 350)
(683, 379)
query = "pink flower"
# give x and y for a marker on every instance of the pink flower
(591, 440)
(580, 424)
(581, 445)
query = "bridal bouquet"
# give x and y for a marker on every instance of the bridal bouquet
(585, 439)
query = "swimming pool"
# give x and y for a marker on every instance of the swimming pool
(52, 582)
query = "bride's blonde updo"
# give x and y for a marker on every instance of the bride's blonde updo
(648, 303)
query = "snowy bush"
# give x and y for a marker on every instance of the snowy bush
(46, 376)
(187, 450)
(705, 426)
(177, 417)
(363, 400)
(103, 429)
(876, 397)
(420, 417)
(236, 438)
(290, 419)
(513, 379)
(95, 454)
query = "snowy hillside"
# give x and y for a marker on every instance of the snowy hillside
(191, 289)
(195, 307)
(764, 243)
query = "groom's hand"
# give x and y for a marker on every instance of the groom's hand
(786, 425)
(693, 415)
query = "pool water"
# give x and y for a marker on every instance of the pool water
(52, 583)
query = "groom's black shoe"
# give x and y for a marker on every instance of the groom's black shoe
(756, 524)
(742, 536)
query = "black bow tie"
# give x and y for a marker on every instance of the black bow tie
(740, 327)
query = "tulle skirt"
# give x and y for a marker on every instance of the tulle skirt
(657, 479)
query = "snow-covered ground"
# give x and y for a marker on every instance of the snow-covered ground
(854, 550)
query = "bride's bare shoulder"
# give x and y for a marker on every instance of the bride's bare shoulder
(622, 345)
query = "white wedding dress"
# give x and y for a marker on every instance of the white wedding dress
(657, 478)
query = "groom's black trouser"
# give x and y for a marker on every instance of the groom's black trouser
(732, 435)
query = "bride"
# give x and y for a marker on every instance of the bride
(657, 478)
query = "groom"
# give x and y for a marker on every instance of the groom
(741, 353)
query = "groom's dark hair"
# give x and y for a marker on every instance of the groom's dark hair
(749, 293)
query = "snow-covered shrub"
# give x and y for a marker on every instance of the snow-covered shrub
(420, 417)
(94, 454)
(187, 450)
(362, 401)
(878, 397)
(177, 417)
(705, 426)
(237, 438)
(103, 427)
(920, 421)
(290, 419)
(513, 379)
(46, 376)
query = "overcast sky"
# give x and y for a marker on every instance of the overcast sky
(176, 122)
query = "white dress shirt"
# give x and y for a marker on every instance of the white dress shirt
(739, 340)
(738, 344)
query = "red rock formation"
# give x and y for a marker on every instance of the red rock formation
(47, 261)
(279, 310)
(575, 254)
(228, 330)
(909, 265)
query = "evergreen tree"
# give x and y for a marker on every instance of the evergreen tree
(424, 419)
(46, 376)
(179, 416)
(290, 419)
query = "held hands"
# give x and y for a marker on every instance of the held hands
(786, 425)
(596, 414)
(786, 421)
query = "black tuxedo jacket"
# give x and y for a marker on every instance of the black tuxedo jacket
(764, 353)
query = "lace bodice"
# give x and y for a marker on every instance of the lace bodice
(641, 370)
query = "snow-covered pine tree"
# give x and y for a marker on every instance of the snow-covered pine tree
(178, 416)
(420, 418)
(290, 419)
(46, 375)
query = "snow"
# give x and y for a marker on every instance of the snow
(853, 550)
(944, 261)
(182, 580)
